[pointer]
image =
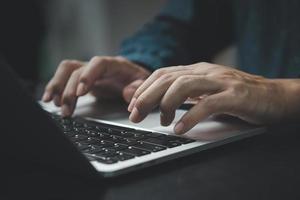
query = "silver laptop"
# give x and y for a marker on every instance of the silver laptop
(99, 139)
(127, 147)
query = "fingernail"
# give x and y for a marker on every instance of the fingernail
(131, 104)
(81, 89)
(46, 97)
(65, 110)
(179, 128)
(134, 115)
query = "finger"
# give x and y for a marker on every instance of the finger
(69, 97)
(129, 90)
(57, 100)
(212, 104)
(166, 119)
(106, 89)
(151, 97)
(96, 68)
(187, 86)
(56, 85)
(154, 76)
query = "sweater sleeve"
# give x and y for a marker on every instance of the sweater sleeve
(180, 34)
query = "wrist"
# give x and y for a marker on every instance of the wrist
(289, 90)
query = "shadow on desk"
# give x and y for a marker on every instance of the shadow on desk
(32, 181)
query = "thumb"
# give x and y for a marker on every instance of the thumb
(130, 89)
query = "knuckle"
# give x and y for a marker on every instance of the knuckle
(183, 79)
(81, 77)
(67, 63)
(165, 78)
(99, 60)
(159, 72)
(182, 82)
(204, 63)
(119, 58)
(54, 86)
(141, 103)
(76, 73)
(136, 93)
(96, 59)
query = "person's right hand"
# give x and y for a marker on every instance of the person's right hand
(104, 77)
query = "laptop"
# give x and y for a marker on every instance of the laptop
(91, 147)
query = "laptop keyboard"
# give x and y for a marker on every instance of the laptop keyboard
(110, 144)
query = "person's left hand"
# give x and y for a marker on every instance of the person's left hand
(220, 90)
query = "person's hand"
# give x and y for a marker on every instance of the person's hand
(104, 77)
(219, 90)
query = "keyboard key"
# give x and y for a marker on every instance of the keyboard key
(123, 134)
(125, 141)
(103, 159)
(185, 140)
(98, 135)
(82, 147)
(105, 156)
(118, 147)
(172, 144)
(149, 147)
(107, 153)
(100, 142)
(77, 138)
(69, 133)
(107, 160)
(123, 156)
(136, 135)
(66, 128)
(66, 121)
(154, 135)
(142, 132)
(94, 149)
(181, 140)
(135, 151)
(147, 133)
(105, 127)
(162, 142)
(77, 124)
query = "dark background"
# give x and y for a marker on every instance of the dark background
(36, 35)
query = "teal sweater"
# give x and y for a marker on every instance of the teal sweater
(266, 33)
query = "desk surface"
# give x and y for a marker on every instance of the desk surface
(261, 167)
